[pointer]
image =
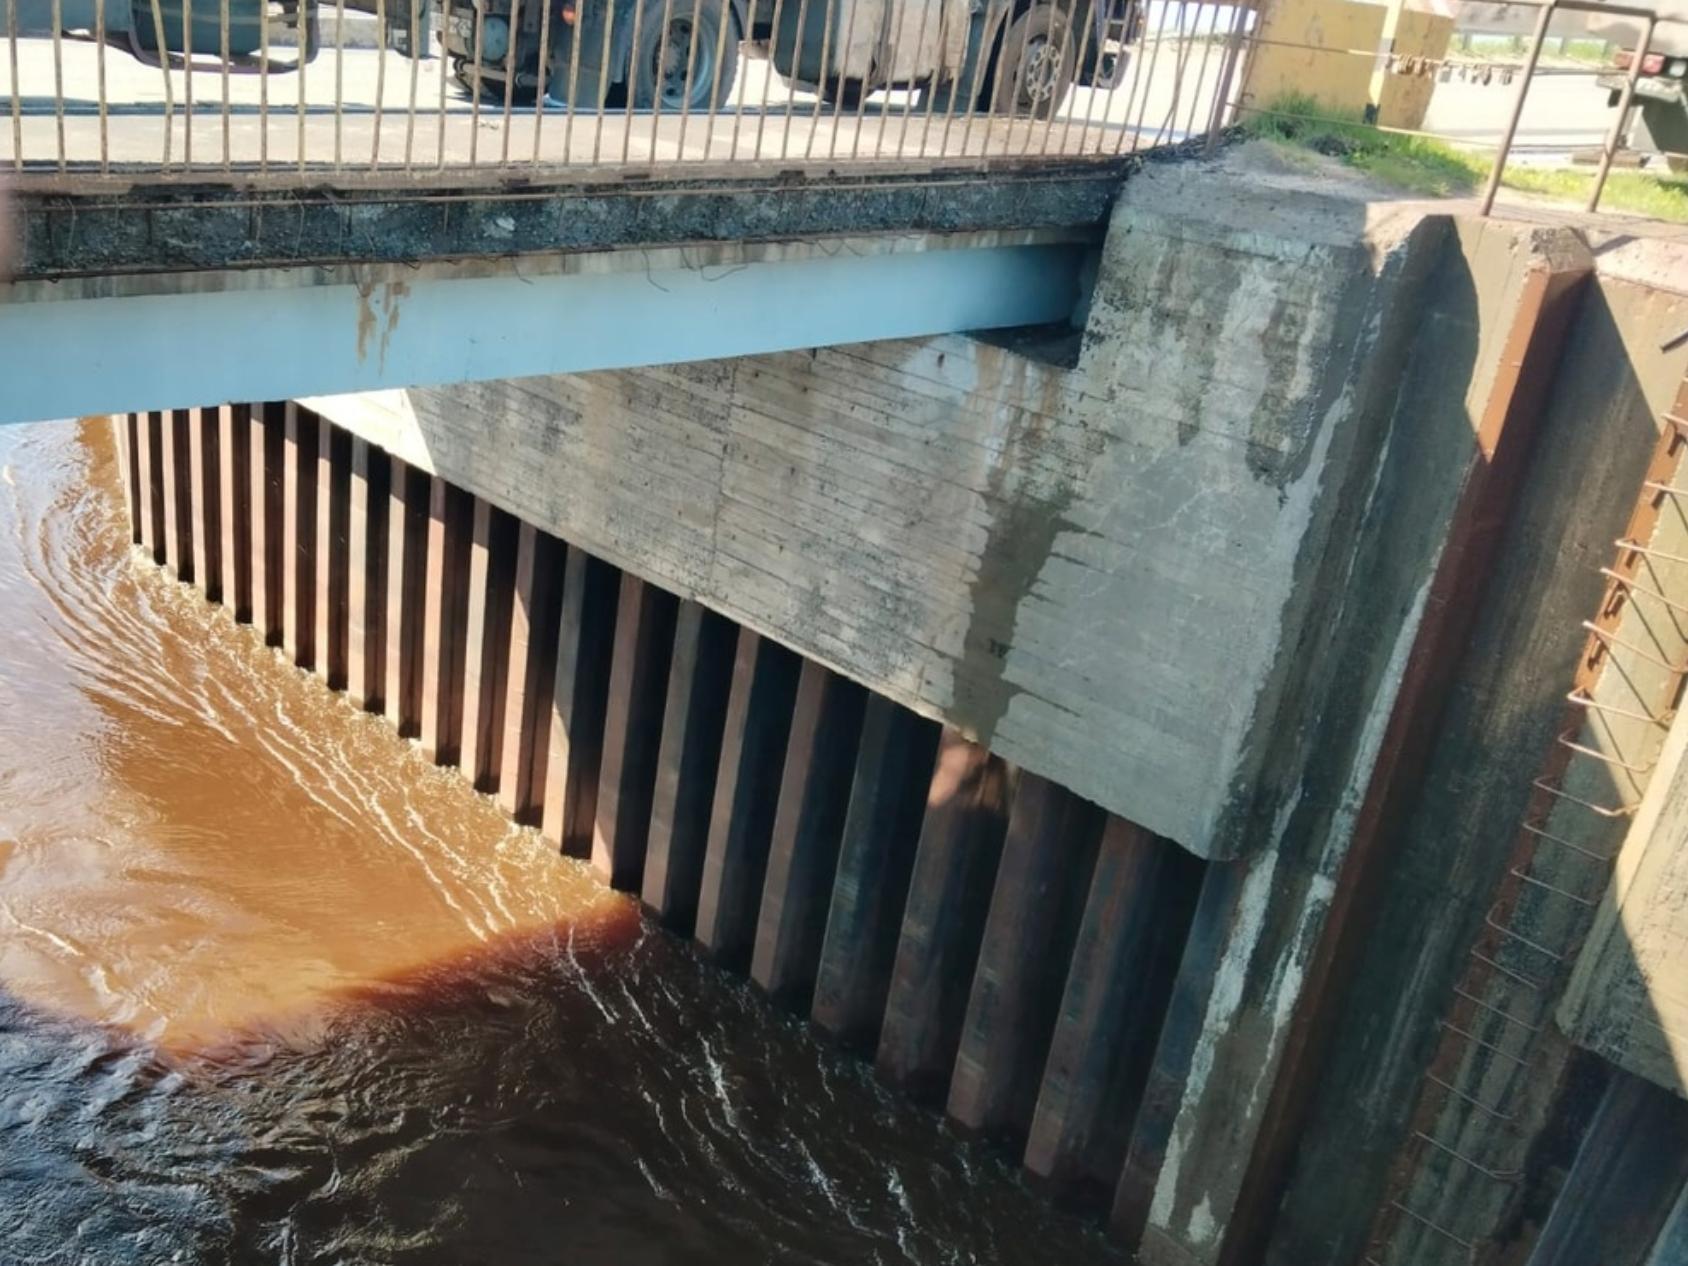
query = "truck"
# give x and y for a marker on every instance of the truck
(1658, 125)
(142, 27)
(990, 55)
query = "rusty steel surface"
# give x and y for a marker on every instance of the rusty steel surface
(1512, 979)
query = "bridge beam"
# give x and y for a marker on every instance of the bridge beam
(161, 342)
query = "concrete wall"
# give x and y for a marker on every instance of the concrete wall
(1094, 571)
(1455, 843)
(1627, 999)
(1271, 572)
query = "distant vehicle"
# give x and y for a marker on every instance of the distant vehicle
(1661, 107)
(1660, 120)
(1025, 60)
(137, 25)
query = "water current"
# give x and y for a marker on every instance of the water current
(275, 990)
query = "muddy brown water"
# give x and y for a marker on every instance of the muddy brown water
(272, 989)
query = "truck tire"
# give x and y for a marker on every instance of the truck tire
(844, 94)
(1661, 127)
(1032, 70)
(659, 73)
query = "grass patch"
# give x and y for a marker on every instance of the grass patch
(1435, 169)
(1512, 49)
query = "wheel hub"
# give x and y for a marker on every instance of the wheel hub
(1039, 69)
(673, 79)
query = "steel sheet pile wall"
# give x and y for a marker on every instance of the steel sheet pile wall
(995, 943)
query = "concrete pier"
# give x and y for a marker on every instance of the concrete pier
(814, 797)
(1136, 917)
(532, 658)
(268, 548)
(406, 582)
(688, 760)
(944, 921)
(741, 821)
(127, 433)
(334, 566)
(149, 479)
(486, 651)
(1048, 857)
(638, 691)
(574, 724)
(875, 859)
(234, 486)
(366, 590)
(176, 490)
(299, 535)
(445, 617)
(203, 439)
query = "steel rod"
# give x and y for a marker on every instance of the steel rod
(820, 81)
(691, 69)
(17, 88)
(767, 83)
(164, 68)
(301, 25)
(721, 33)
(791, 80)
(100, 75)
(1625, 101)
(380, 81)
(839, 94)
(658, 74)
(603, 76)
(1510, 132)
(57, 18)
(509, 78)
(339, 74)
(415, 80)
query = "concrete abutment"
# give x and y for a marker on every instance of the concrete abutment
(1057, 739)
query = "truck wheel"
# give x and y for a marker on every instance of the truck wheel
(845, 94)
(1035, 59)
(1102, 69)
(660, 77)
(1661, 127)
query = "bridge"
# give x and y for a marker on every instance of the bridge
(1089, 613)
(391, 201)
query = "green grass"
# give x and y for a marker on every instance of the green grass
(1415, 164)
(1469, 46)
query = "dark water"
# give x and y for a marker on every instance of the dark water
(274, 990)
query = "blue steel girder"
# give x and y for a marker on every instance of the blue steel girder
(78, 348)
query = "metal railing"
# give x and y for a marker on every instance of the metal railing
(1620, 123)
(1521, 78)
(335, 91)
(248, 86)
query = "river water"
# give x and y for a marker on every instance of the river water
(273, 989)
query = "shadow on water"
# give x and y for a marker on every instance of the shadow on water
(555, 1100)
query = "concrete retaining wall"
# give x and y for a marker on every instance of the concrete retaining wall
(1094, 571)
(1255, 576)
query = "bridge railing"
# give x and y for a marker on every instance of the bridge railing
(311, 88)
(331, 92)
